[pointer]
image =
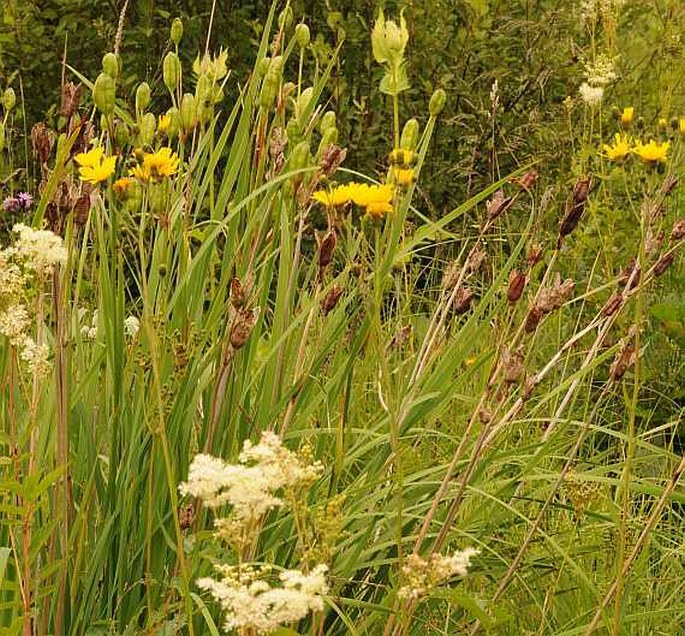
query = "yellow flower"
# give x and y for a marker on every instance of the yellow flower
(99, 172)
(333, 197)
(662, 123)
(122, 186)
(91, 158)
(652, 152)
(681, 125)
(627, 115)
(402, 156)
(619, 150)
(156, 166)
(403, 176)
(163, 124)
(375, 198)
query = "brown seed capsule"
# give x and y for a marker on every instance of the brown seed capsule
(326, 249)
(512, 366)
(331, 299)
(71, 96)
(663, 264)
(631, 273)
(451, 276)
(462, 302)
(331, 159)
(41, 141)
(575, 207)
(485, 415)
(498, 204)
(678, 231)
(517, 283)
(186, 515)
(242, 327)
(669, 184)
(475, 259)
(625, 358)
(400, 337)
(237, 293)
(533, 319)
(534, 255)
(528, 180)
(81, 210)
(613, 305)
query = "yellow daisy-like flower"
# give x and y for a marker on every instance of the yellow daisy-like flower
(402, 156)
(91, 158)
(627, 115)
(652, 152)
(156, 166)
(98, 172)
(403, 176)
(375, 198)
(333, 197)
(163, 124)
(619, 150)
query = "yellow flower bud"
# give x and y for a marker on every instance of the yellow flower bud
(171, 71)
(437, 102)
(176, 31)
(111, 65)
(104, 92)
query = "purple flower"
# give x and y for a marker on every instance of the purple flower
(25, 199)
(11, 204)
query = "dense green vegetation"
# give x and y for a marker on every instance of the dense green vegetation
(320, 319)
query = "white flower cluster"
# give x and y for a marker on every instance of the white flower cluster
(131, 325)
(423, 575)
(590, 10)
(599, 74)
(250, 601)
(35, 252)
(250, 486)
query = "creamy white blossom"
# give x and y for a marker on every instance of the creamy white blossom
(131, 326)
(13, 323)
(249, 600)
(36, 357)
(422, 575)
(591, 95)
(41, 249)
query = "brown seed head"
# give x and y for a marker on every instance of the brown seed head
(331, 299)
(242, 327)
(326, 249)
(663, 264)
(678, 231)
(71, 96)
(517, 283)
(237, 293)
(41, 141)
(498, 204)
(613, 305)
(462, 302)
(332, 158)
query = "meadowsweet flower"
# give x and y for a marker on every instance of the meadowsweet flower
(652, 152)
(627, 116)
(591, 95)
(131, 326)
(619, 150)
(41, 249)
(423, 575)
(250, 601)
(14, 321)
(601, 71)
(156, 166)
(36, 356)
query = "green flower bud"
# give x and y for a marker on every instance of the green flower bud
(104, 123)
(327, 121)
(293, 131)
(142, 97)
(111, 65)
(267, 95)
(171, 71)
(437, 102)
(276, 65)
(175, 123)
(304, 99)
(157, 196)
(285, 18)
(300, 157)
(176, 31)
(104, 92)
(2, 136)
(329, 137)
(410, 135)
(188, 112)
(147, 127)
(121, 134)
(9, 99)
(263, 66)
(388, 40)
(302, 35)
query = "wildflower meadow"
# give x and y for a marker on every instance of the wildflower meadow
(342, 318)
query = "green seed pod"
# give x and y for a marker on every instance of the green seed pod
(148, 124)
(104, 92)
(157, 195)
(263, 66)
(104, 123)
(2, 136)
(121, 134)
(293, 131)
(267, 95)
(188, 112)
(111, 65)
(276, 65)
(204, 98)
(300, 157)
(176, 31)
(304, 99)
(437, 102)
(410, 135)
(143, 96)
(327, 121)
(9, 99)
(285, 18)
(171, 71)
(174, 124)
(302, 35)
(329, 137)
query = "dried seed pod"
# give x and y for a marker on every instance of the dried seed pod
(631, 273)
(331, 299)
(242, 327)
(186, 515)
(485, 415)
(663, 264)
(533, 319)
(451, 276)
(678, 231)
(475, 259)
(669, 184)
(624, 359)
(517, 283)
(653, 242)
(534, 255)
(81, 210)
(71, 97)
(326, 249)
(462, 302)
(613, 305)
(528, 180)
(512, 366)
(498, 204)
(401, 336)
(237, 293)
(41, 141)
(331, 158)
(575, 207)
